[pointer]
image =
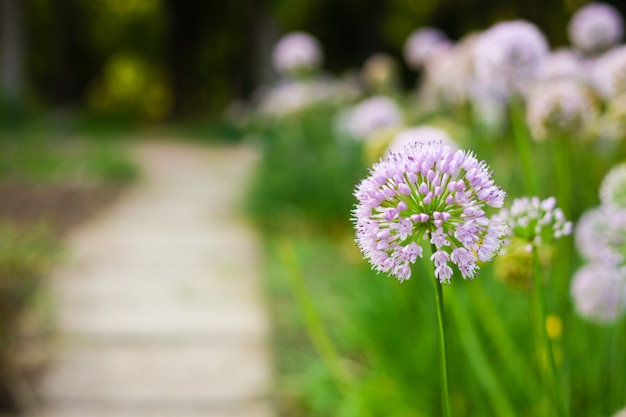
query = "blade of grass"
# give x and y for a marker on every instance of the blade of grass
(477, 359)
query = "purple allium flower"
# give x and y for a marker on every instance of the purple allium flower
(595, 28)
(536, 221)
(562, 64)
(370, 116)
(508, 55)
(599, 292)
(423, 135)
(613, 187)
(449, 73)
(561, 107)
(294, 96)
(609, 72)
(296, 51)
(421, 44)
(428, 193)
(601, 235)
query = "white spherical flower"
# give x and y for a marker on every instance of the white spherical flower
(421, 44)
(560, 64)
(595, 28)
(296, 51)
(422, 135)
(371, 115)
(601, 235)
(294, 96)
(508, 55)
(609, 72)
(562, 107)
(613, 187)
(449, 73)
(599, 292)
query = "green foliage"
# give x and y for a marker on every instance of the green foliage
(33, 158)
(337, 321)
(25, 256)
(306, 177)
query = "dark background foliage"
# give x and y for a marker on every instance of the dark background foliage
(199, 55)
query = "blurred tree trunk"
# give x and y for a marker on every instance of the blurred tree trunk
(185, 20)
(11, 50)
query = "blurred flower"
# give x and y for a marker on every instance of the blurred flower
(599, 292)
(421, 44)
(536, 221)
(296, 52)
(554, 326)
(609, 72)
(561, 107)
(595, 28)
(380, 72)
(601, 235)
(514, 265)
(369, 116)
(613, 187)
(508, 55)
(449, 73)
(428, 192)
(560, 64)
(613, 121)
(293, 96)
(422, 135)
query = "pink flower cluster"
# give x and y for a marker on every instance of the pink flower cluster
(427, 192)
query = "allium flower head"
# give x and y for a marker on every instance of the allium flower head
(613, 187)
(599, 292)
(601, 235)
(514, 265)
(561, 64)
(595, 28)
(609, 72)
(536, 221)
(421, 44)
(428, 194)
(449, 73)
(423, 135)
(296, 51)
(294, 96)
(371, 115)
(508, 55)
(562, 107)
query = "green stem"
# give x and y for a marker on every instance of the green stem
(312, 321)
(540, 305)
(445, 395)
(522, 143)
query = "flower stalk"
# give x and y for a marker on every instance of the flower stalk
(540, 306)
(445, 393)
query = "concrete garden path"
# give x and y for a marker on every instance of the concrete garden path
(159, 306)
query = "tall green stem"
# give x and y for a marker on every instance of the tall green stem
(523, 145)
(540, 305)
(445, 395)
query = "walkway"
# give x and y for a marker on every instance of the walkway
(160, 313)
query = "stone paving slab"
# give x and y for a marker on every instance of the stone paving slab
(139, 373)
(159, 306)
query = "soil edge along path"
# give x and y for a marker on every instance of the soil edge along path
(159, 300)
